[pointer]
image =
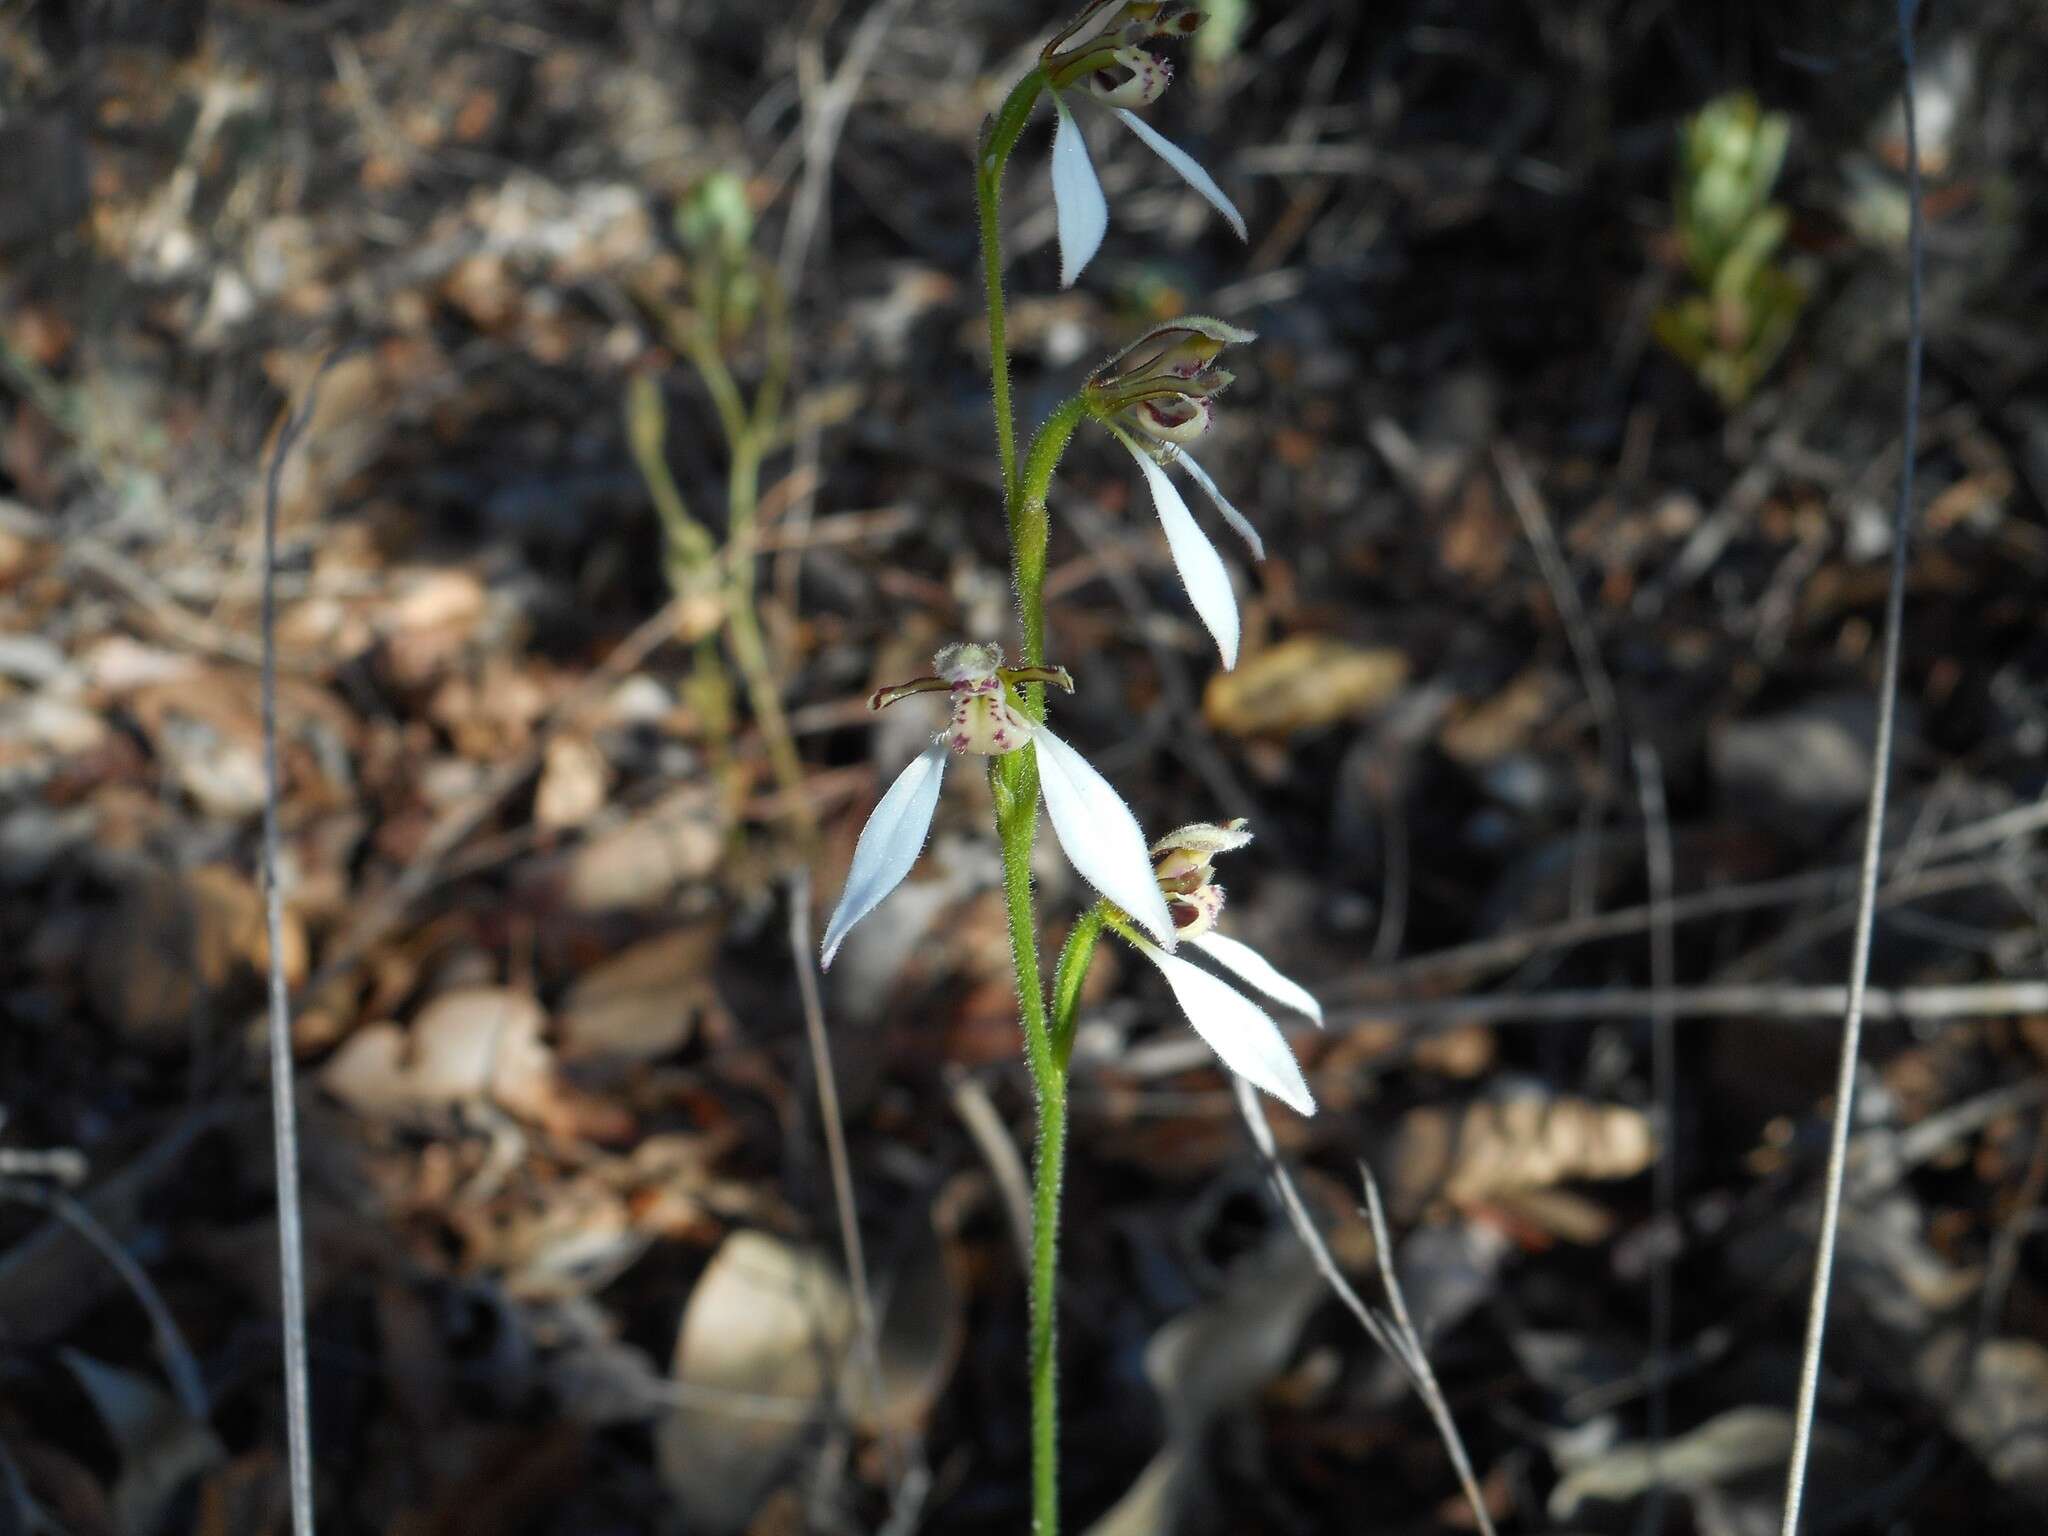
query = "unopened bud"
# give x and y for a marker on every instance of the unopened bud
(1143, 19)
(1175, 359)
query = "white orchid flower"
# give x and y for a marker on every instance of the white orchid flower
(1095, 828)
(1240, 1032)
(1099, 55)
(1157, 396)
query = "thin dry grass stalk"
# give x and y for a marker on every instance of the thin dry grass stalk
(1873, 839)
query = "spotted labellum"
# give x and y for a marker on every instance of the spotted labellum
(1096, 830)
(1101, 55)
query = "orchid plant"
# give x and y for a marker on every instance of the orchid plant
(1155, 397)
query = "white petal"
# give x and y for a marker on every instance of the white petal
(889, 844)
(1182, 161)
(1076, 196)
(1099, 834)
(1255, 969)
(1237, 1029)
(1201, 568)
(1237, 520)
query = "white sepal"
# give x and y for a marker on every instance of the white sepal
(1237, 520)
(1076, 196)
(889, 844)
(1256, 970)
(1201, 568)
(1099, 834)
(1237, 1029)
(1183, 162)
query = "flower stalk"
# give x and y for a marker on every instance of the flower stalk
(1047, 1042)
(999, 139)
(1154, 397)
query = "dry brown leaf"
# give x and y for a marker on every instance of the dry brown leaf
(206, 733)
(759, 1351)
(573, 780)
(643, 1002)
(351, 421)
(19, 555)
(680, 837)
(176, 941)
(120, 664)
(233, 934)
(1526, 1142)
(426, 625)
(1464, 1051)
(922, 1327)
(470, 1045)
(577, 1237)
(36, 726)
(1998, 1407)
(1740, 1441)
(1475, 538)
(1303, 683)
(204, 728)
(493, 713)
(1208, 1361)
(1488, 731)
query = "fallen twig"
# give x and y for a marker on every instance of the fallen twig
(1395, 1335)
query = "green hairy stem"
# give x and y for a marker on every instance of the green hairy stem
(1015, 781)
(997, 142)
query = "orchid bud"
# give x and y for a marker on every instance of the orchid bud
(1175, 359)
(1143, 19)
(1135, 21)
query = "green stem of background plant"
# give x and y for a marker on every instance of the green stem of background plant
(743, 631)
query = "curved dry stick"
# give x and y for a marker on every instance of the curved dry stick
(1396, 1334)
